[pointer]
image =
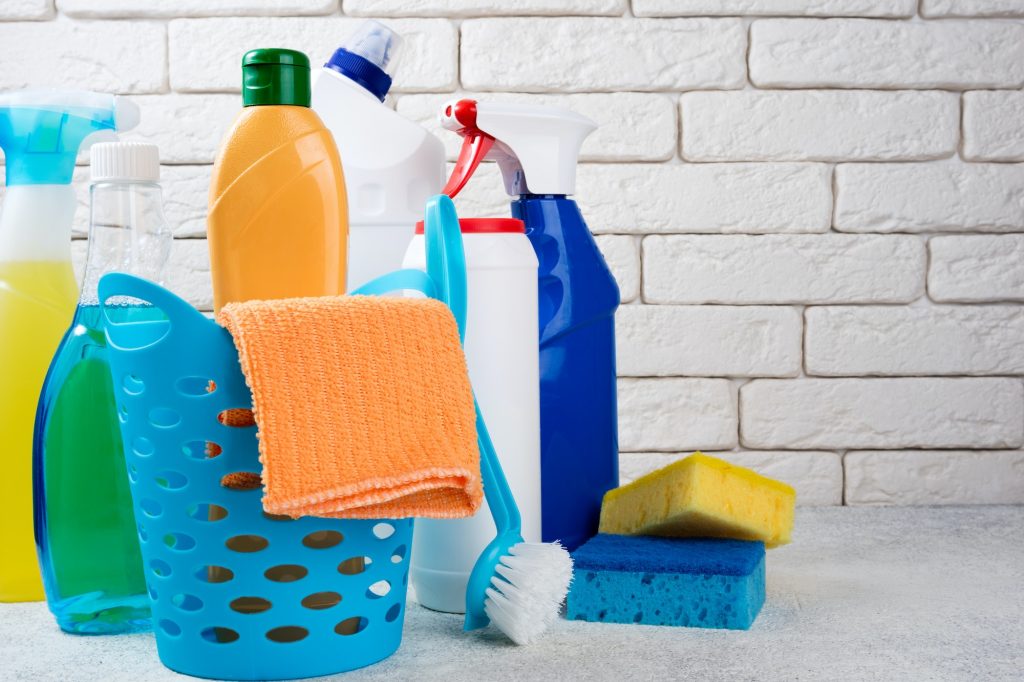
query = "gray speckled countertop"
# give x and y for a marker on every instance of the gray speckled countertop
(861, 594)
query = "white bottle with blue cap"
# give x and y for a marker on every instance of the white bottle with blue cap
(391, 165)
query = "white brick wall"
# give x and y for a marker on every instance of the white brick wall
(814, 208)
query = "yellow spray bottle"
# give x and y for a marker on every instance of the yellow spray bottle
(40, 132)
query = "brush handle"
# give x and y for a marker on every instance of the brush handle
(445, 280)
(446, 265)
(499, 496)
(446, 257)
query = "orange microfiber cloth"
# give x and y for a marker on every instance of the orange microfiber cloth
(363, 405)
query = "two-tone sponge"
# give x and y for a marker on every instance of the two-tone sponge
(702, 496)
(693, 582)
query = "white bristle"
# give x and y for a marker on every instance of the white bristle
(527, 594)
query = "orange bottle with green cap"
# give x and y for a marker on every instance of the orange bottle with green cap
(278, 221)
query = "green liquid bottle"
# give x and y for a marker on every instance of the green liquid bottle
(85, 529)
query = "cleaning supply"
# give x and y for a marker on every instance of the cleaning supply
(536, 148)
(277, 222)
(363, 405)
(85, 529)
(392, 165)
(40, 132)
(517, 585)
(236, 592)
(701, 496)
(692, 582)
(501, 351)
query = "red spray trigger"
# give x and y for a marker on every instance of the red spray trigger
(461, 118)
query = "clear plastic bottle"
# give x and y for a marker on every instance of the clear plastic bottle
(85, 528)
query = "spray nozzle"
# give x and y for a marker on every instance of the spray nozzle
(536, 147)
(41, 130)
(367, 56)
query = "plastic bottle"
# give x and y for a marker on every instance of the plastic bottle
(40, 133)
(85, 527)
(536, 148)
(392, 165)
(501, 352)
(278, 226)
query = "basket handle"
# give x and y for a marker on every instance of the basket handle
(139, 335)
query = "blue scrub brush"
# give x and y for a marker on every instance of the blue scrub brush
(517, 585)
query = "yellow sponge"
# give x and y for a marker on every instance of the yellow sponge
(702, 496)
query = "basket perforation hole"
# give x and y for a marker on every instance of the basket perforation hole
(242, 481)
(323, 539)
(171, 480)
(143, 535)
(142, 446)
(195, 386)
(276, 517)
(379, 589)
(207, 512)
(287, 634)
(219, 635)
(187, 602)
(133, 473)
(286, 573)
(201, 449)
(214, 574)
(399, 554)
(354, 565)
(321, 600)
(164, 417)
(122, 413)
(393, 613)
(170, 627)
(250, 605)
(151, 508)
(160, 568)
(179, 542)
(132, 385)
(382, 531)
(351, 626)
(247, 544)
(238, 417)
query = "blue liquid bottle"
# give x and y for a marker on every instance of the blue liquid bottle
(536, 148)
(85, 529)
(578, 409)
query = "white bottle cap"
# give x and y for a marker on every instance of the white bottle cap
(376, 43)
(124, 162)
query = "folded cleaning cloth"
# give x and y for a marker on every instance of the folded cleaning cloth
(363, 405)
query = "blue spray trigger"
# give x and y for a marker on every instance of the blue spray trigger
(41, 131)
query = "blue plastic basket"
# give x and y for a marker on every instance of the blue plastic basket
(236, 593)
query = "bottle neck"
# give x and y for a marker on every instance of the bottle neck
(127, 233)
(35, 223)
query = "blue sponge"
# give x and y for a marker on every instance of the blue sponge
(693, 582)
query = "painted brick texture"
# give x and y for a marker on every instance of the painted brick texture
(814, 208)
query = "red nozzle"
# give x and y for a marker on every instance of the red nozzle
(461, 118)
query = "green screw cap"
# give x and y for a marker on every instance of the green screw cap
(275, 76)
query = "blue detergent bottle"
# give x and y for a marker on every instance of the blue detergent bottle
(536, 148)
(85, 529)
